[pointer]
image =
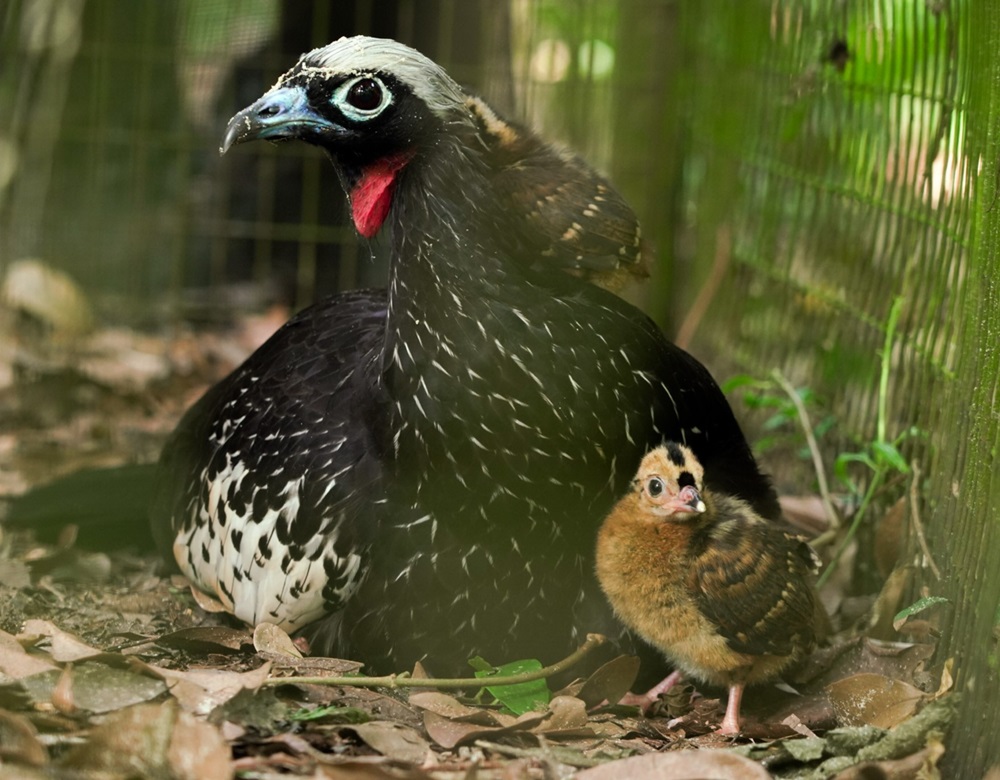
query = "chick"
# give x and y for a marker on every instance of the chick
(727, 595)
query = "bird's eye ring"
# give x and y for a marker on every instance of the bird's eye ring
(362, 97)
(654, 487)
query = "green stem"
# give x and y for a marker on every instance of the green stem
(853, 529)
(883, 382)
(403, 680)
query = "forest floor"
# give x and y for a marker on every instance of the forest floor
(110, 669)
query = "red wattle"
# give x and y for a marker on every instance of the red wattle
(372, 195)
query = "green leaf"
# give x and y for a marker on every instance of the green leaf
(918, 606)
(480, 664)
(738, 381)
(886, 454)
(519, 698)
(840, 465)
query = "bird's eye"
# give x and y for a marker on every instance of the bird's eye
(365, 95)
(654, 486)
(362, 98)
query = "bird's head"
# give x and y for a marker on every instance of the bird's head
(670, 482)
(371, 104)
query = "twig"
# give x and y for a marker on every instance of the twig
(918, 526)
(817, 458)
(720, 264)
(403, 680)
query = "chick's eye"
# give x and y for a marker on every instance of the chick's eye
(654, 486)
(365, 94)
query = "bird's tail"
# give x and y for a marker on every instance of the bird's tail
(109, 506)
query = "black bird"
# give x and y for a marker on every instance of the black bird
(428, 465)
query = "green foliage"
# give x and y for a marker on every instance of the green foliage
(881, 457)
(518, 698)
(783, 426)
(919, 606)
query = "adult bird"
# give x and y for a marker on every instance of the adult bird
(427, 465)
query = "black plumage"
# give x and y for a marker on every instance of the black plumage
(442, 451)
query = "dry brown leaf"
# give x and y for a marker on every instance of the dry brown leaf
(202, 690)
(207, 639)
(269, 638)
(873, 700)
(14, 574)
(62, 693)
(610, 682)
(899, 660)
(679, 765)
(15, 662)
(198, 751)
(566, 714)
(51, 296)
(206, 602)
(153, 740)
(366, 769)
(947, 680)
(19, 741)
(63, 647)
(96, 687)
(393, 740)
(312, 666)
(451, 708)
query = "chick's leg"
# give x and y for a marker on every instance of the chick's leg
(731, 721)
(646, 700)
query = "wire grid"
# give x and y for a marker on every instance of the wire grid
(111, 152)
(826, 161)
(812, 150)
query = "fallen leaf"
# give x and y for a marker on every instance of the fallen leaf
(202, 690)
(610, 682)
(62, 693)
(899, 660)
(393, 740)
(63, 647)
(451, 708)
(19, 742)
(566, 714)
(916, 608)
(309, 667)
(96, 687)
(206, 602)
(679, 765)
(14, 574)
(873, 700)
(16, 663)
(153, 740)
(207, 639)
(269, 638)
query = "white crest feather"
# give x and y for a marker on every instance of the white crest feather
(361, 54)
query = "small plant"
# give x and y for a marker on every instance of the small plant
(881, 457)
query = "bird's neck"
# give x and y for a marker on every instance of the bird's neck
(445, 252)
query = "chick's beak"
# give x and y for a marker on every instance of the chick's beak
(282, 113)
(688, 500)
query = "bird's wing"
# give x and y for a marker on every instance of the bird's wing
(296, 416)
(754, 584)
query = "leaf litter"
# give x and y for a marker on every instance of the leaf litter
(109, 670)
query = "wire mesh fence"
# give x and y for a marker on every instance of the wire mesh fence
(801, 166)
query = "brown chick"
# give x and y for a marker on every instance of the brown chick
(725, 594)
